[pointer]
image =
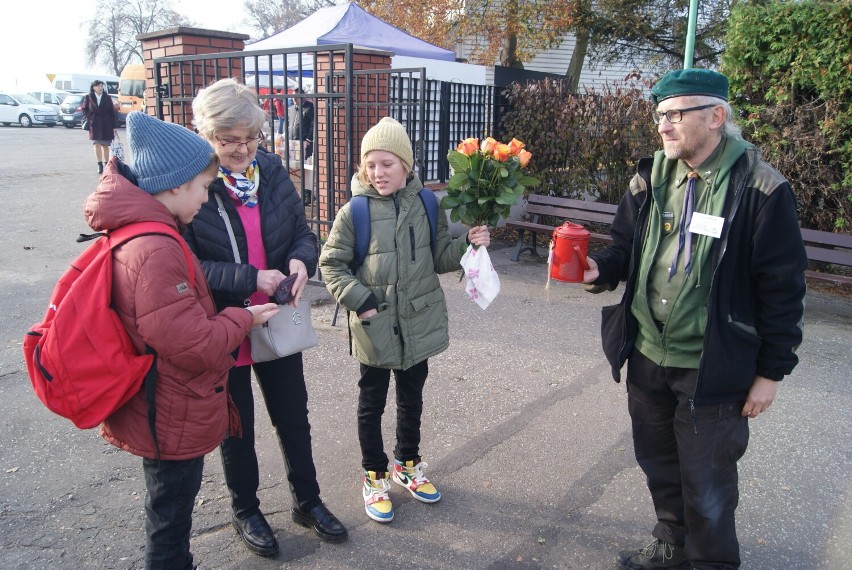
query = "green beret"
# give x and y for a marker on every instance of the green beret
(683, 82)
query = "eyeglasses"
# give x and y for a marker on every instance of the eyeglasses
(232, 145)
(676, 115)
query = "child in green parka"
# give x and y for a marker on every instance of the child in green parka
(397, 312)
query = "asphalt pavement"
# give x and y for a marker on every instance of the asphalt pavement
(525, 433)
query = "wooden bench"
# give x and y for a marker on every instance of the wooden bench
(824, 247)
(564, 208)
(828, 247)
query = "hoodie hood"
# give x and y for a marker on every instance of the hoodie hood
(118, 201)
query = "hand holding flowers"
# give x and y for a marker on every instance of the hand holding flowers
(487, 180)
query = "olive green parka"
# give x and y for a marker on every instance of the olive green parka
(400, 271)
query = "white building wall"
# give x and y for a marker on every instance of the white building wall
(445, 70)
(556, 61)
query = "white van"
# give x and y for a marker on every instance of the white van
(82, 82)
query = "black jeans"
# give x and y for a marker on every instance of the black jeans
(689, 456)
(172, 487)
(372, 397)
(282, 382)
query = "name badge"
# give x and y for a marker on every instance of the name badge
(706, 225)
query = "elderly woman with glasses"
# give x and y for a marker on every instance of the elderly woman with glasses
(273, 241)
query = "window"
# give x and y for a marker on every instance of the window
(132, 87)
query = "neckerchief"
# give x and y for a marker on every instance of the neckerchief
(684, 235)
(243, 184)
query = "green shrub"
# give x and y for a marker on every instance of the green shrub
(790, 66)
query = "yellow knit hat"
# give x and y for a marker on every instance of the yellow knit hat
(390, 136)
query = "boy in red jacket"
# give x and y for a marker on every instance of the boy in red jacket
(167, 182)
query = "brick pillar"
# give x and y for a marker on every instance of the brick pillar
(367, 99)
(185, 80)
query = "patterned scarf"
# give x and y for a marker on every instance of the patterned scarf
(243, 185)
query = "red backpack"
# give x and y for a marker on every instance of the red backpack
(80, 359)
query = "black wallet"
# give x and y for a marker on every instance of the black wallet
(284, 293)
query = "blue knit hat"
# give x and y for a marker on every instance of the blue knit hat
(164, 155)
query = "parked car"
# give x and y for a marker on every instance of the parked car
(25, 110)
(72, 111)
(50, 98)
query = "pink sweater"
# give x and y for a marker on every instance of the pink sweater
(250, 218)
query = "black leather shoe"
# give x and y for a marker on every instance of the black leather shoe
(319, 518)
(257, 534)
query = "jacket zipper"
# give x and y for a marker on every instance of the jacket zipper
(723, 247)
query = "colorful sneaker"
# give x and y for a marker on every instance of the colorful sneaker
(410, 475)
(656, 554)
(376, 501)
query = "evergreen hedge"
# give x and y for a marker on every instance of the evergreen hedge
(790, 67)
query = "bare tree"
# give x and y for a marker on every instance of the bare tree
(651, 34)
(267, 18)
(116, 24)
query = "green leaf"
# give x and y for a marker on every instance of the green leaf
(448, 202)
(507, 198)
(458, 180)
(529, 181)
(458, 161)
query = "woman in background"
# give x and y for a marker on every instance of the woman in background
(99, 111)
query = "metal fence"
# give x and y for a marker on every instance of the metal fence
(436, 114)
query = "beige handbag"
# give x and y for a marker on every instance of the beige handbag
(288, 332)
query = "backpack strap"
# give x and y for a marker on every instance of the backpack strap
(126, 233)
(430, 203)
(360, 210)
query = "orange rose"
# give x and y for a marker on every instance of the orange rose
(502, 152)
(488, 145)
(468, 147)
(524, 156)
(516, 146)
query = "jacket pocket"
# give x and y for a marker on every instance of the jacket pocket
(376, 339)
(426, 327)
(612, 336)
(427, 300)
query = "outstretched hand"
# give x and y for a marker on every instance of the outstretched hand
(262, 313)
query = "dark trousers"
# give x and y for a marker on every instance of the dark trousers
(689, 456)
(372, 397)
(282, 382)
(172, 487)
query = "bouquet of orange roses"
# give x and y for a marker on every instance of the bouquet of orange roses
(487, 180)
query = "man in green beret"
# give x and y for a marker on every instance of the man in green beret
(708, 242)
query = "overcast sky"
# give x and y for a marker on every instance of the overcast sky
(48, 36)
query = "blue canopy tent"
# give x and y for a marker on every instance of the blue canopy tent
(344, 24)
